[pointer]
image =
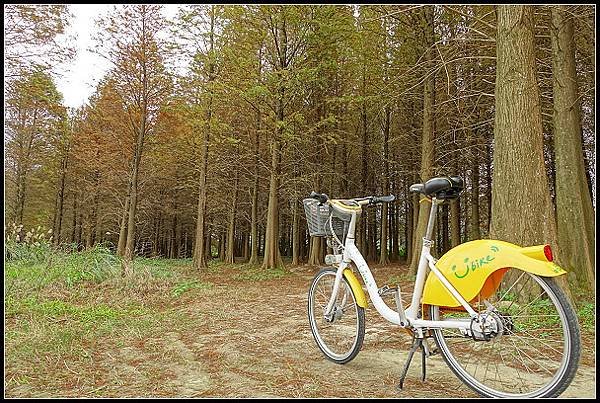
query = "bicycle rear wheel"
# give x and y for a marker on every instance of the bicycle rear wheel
(340, 335)
(536, 346)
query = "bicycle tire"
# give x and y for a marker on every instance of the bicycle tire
(570, 358)
(360, 321)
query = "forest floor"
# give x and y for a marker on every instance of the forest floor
(229, 331)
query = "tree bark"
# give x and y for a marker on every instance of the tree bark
(574, 211)
(428, 139)
(123, 226)
(475, 232)
(295, 235)
(61, 195)
(230, 254)
(522, 211)
(383, 256)
(131, 224)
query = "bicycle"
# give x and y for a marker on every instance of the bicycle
(498, 318)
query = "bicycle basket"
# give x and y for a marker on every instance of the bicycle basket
(340, 223)
(316, 216)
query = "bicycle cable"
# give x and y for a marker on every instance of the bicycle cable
(330, 219)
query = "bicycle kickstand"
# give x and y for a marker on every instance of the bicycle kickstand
(417, 343)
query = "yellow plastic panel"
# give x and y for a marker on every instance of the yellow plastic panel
(468, 266)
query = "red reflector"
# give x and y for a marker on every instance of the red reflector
(548, 253)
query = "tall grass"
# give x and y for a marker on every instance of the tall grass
(32, 262)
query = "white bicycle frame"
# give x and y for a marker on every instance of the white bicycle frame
(408, 317)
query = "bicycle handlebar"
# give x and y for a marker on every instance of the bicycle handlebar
(322, 198)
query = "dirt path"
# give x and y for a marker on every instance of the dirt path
(256, 341)
(232, 339)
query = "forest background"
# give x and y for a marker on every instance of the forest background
(183, 176)
(211, 127)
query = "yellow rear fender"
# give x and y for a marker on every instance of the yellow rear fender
(477, 267)
(359, 294)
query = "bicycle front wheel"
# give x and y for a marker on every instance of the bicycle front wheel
(535, 346)
(339, 335)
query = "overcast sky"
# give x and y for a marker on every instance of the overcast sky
(79, 77)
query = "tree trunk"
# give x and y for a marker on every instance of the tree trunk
(428, 139)
(362, 228)
(254, 221)
(315, 253)
(574, 211)
(522, 211)
(199, 260)
(474, 232)
(93, 224)
(123, 226)
(455, 223)
(131, 224)
(295, 235)
(383, 257)
(488, 184)
(230, 254)
(74, 220)
(445, 244)
(61, 197)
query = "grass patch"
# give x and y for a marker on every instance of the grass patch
(587, 316)
(94, 265)
(216, 265)
(163, 268)
(401, 278)
(184, 286)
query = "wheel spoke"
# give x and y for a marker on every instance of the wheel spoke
(528, 355)
(341, 337)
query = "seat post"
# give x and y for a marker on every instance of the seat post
(432, 217)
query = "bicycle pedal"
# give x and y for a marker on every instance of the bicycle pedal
(385, 290)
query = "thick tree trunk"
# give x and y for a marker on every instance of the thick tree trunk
(315, 253)
(574, 211)
(522, 212)
(428, 139)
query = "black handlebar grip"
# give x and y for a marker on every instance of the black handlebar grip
(321, 197)
(383, 199)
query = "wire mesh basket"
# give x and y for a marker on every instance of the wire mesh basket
(317, 217)
(340, 223)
